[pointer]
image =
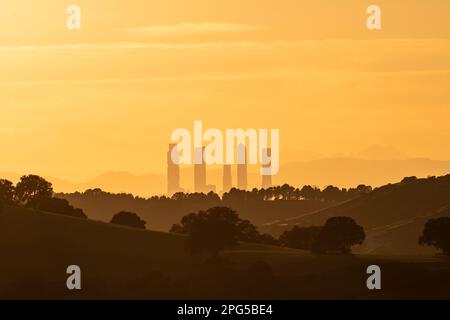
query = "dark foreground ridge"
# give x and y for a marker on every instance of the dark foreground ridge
(119, 262)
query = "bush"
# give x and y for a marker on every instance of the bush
(213, 231)
(338, 235)
(300, 237)
(60, 206)
(436, 233)
(246, 231)
(7, 191)
(32, 189)
(129, 219)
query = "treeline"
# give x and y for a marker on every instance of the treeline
(288, 192)
(284, 192)
(258, 205)
(35, 192)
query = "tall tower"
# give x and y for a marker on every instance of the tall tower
(199, 171)
(173, 172)
(227, 178)
(267, 180)
(242, 167)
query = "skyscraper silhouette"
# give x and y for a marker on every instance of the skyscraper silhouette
(199, 171)
(267, 179)
(227, 178)
(173, 172)
(242, 167)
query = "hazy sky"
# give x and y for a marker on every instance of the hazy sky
(78, 103)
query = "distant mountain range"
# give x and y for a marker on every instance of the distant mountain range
(342, 172)
(349, 172)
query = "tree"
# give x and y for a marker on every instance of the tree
(407, 180)
(332, 193)
(246, 230)
(436, 233)
(31, 189)
(179, 196)
(6, 191)
(338, 235)
(310, 193)
(300, 237)
(129, 219)
(286, 191)
(186, 223)
(213, 230)
(363, 189)
(60, 206)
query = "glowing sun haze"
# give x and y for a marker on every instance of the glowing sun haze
(78, 103)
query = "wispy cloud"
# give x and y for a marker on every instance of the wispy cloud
(188, 28)
(124, 45)
(369, 45)
(268, 74)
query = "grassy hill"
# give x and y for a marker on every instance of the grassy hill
(120, 262)
(393, 215)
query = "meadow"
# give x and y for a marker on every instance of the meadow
(118, 262)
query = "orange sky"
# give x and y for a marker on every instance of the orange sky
(78, 103)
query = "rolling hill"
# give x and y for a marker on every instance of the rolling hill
(120, 262)
(393, 215)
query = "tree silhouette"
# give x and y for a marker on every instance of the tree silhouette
(186, 223)
(212, 230)
(363, 189)
(436, 233)
(60, 206)
(338, 235)
(310, 193)
(246, 230)
(300, 237)
(129, 219)
(287, 192)
(332, 193)
(7, 191)
(31, 189)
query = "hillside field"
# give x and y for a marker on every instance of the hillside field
(120, 262)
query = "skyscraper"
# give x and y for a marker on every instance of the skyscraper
(199, 171)
(173, 172)
(267, 179)
(242, 167)
(227, 178)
